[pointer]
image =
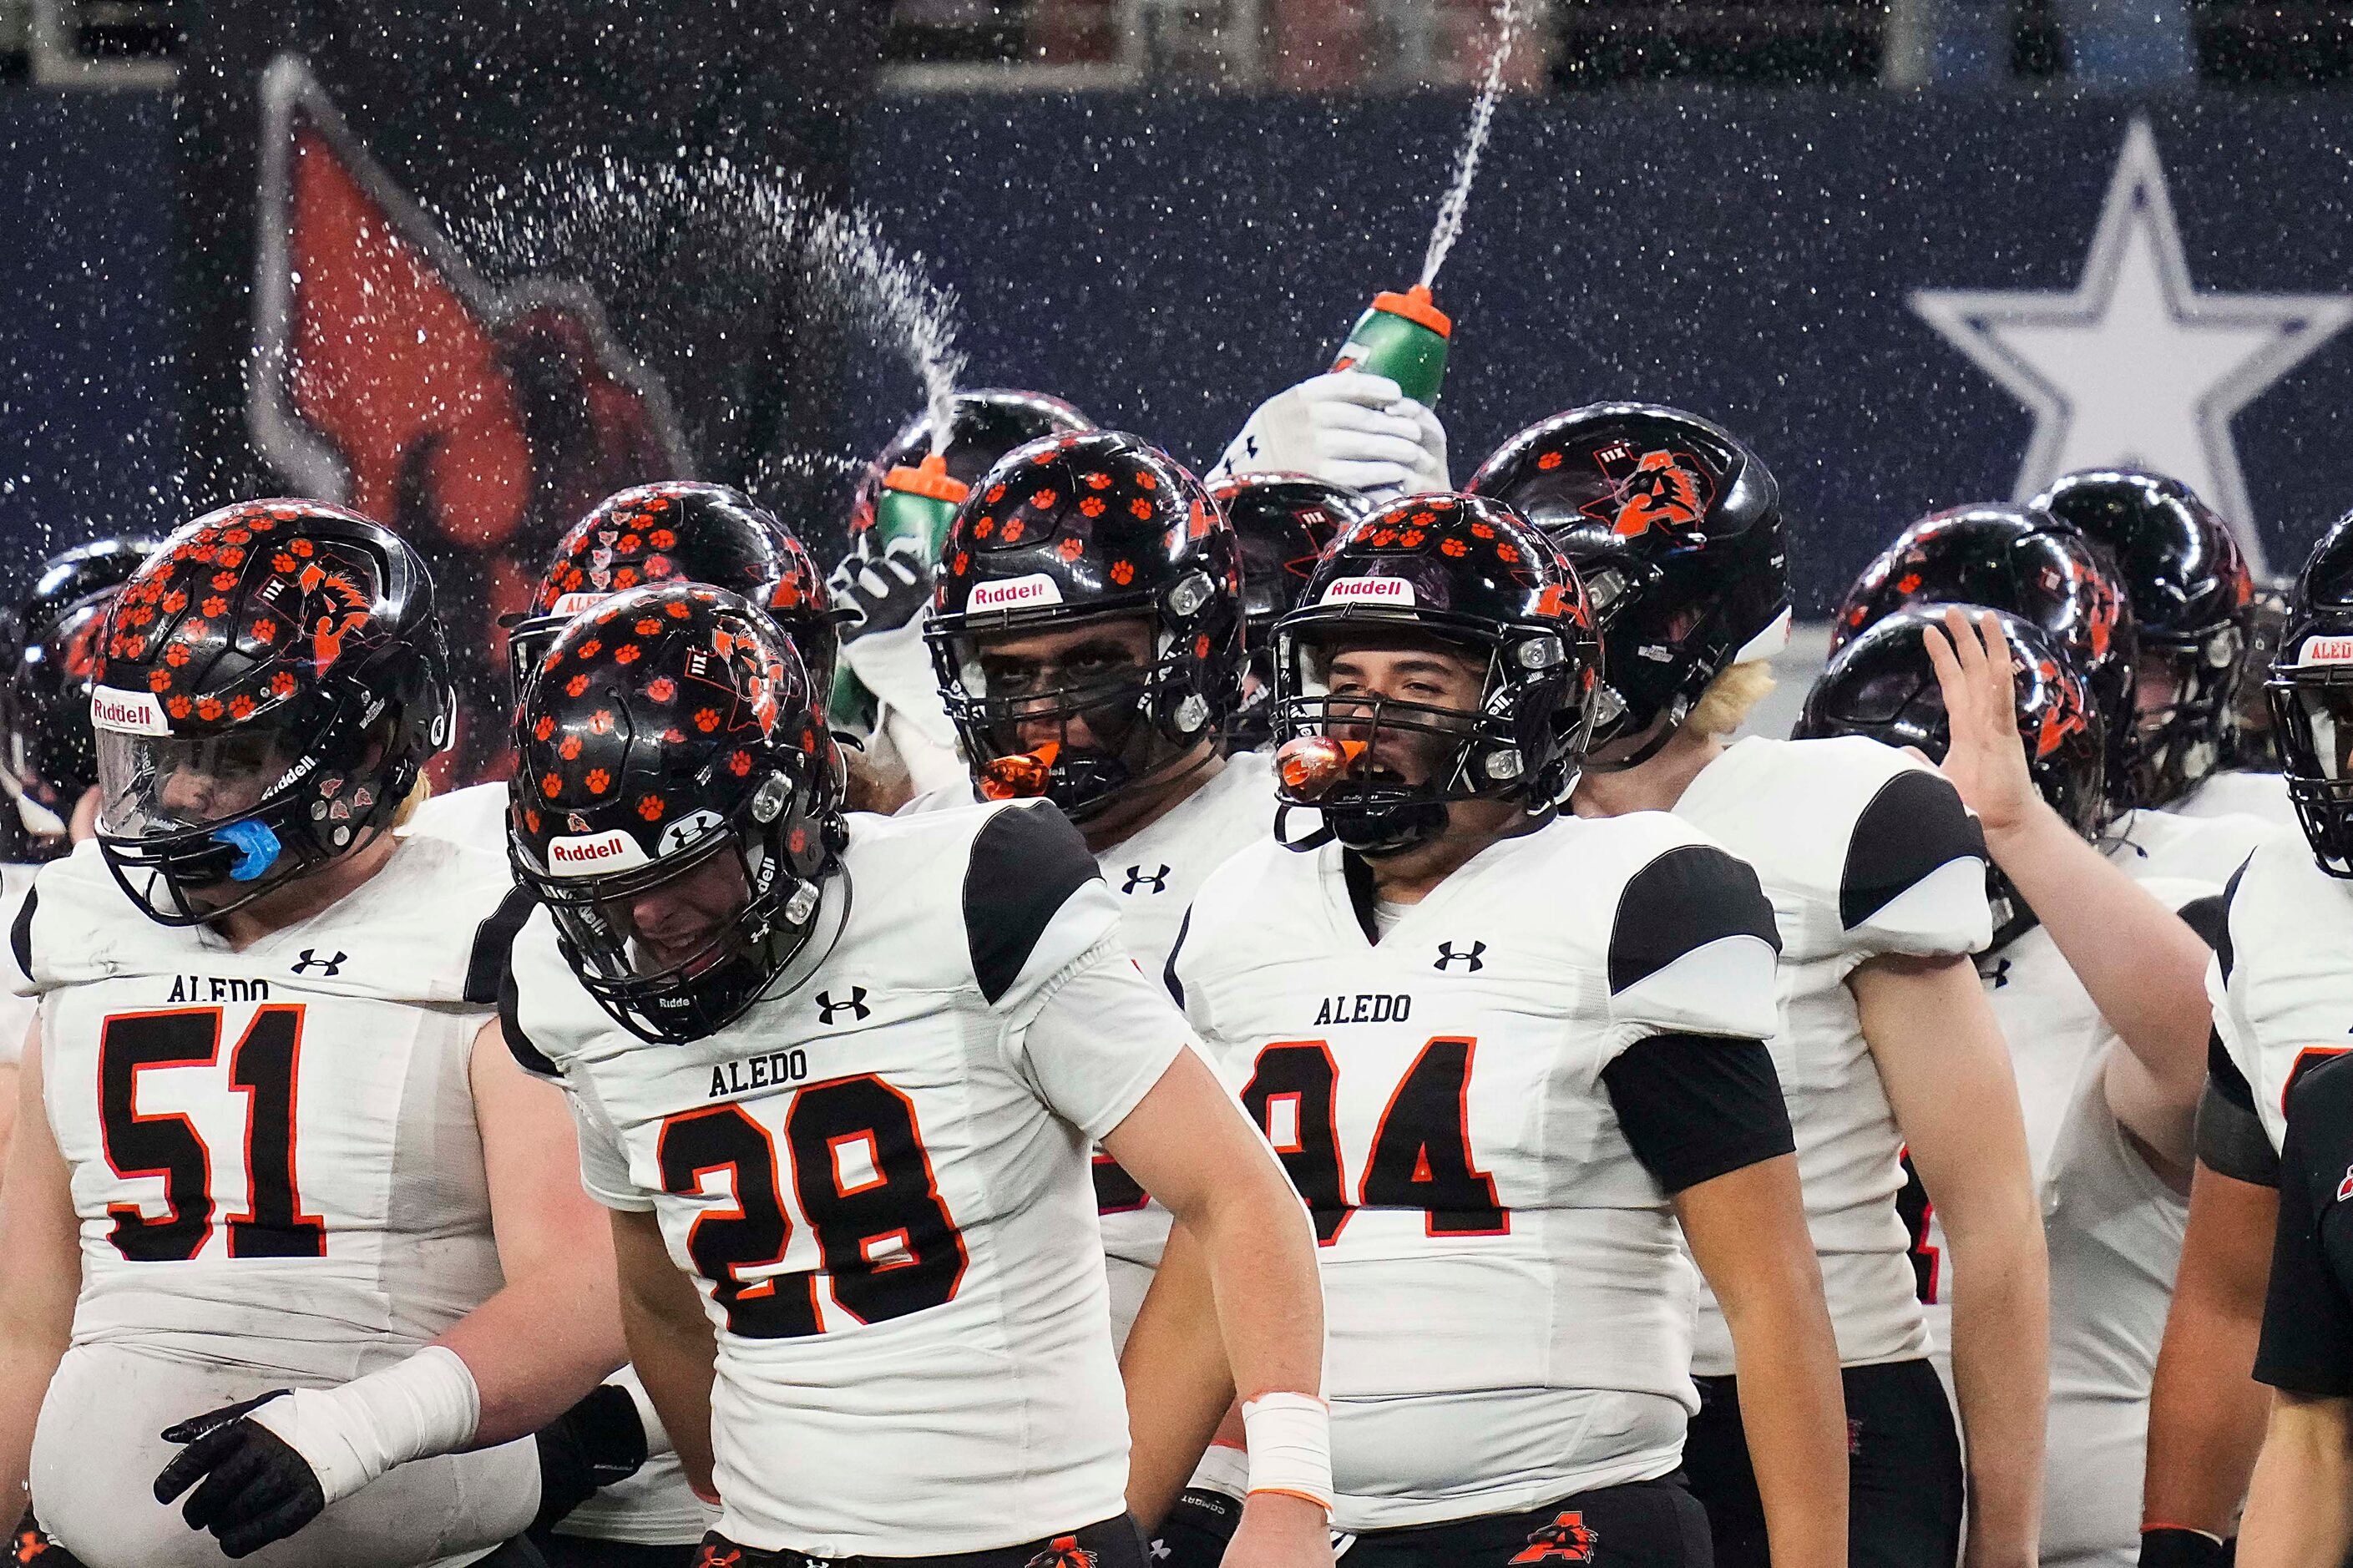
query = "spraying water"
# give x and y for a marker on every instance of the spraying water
(918, 312)
(1509, 17)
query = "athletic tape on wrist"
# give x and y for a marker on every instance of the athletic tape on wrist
(350, 1435)
(1290, 1439)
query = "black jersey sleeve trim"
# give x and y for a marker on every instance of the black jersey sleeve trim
(20, 933)
(2231, 1141)
(2307, 1335)
(2209, 917)
(2224, 1076)
(527, 1056)
(1695, 1107)
(1168, 970)
(2222, 952)
(1027, 861)
(1915, 823)
(1691, 895)
(494, 944)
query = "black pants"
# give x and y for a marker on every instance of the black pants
(1905, 1490)
(1644, 1524)
(31, 1543)
(1112, 1543)
(579, 1552)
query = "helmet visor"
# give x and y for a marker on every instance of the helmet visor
(2321, 715)
(152, 786)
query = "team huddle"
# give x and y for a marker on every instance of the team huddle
(1143, 1021)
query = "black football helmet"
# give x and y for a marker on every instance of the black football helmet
(1881, 685)
(1675, 529)
(2035, 566)
(1469, 572)
(672, 732)
(686, 531)
(985, 425)
(51, 758)
(2193, 616)
(2255, 740)
(273, 681)
(1282, 521)
(1071, 530)
(2311, 693)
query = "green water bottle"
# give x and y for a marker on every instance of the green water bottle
(1403, 337)
(916, 503)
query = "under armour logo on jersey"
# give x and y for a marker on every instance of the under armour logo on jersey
(1565, 1540)
(1999, 976)
(311, 959)
(1063, 1552)
(1158, 880)
(854, 1005)
(1446, 955)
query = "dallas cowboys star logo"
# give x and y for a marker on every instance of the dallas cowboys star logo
(2134, 366)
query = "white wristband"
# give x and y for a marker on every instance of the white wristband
(350, 1435)
(1289, 1437)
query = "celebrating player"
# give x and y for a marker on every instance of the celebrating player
(841, 1073)
(2078, 942)
(1504, 1052)
(271, 1138)
(1876, 875)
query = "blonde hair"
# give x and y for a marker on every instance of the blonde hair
(419, 794)
(1724, 706)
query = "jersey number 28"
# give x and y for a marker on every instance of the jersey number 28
(861, 1180)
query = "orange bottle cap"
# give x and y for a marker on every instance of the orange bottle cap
(1416, 306)
(930, 478)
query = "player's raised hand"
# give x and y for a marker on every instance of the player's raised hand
(1986, 762)
(1279, 1530)
(1347, 427)
(252, 1488)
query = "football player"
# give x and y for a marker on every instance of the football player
(49, 763)
(1504, 1052)
(2194, 613)
(677, 531)
(283, 1222)
(884, 586)
(2077, 942)
(2281, 992)
(2034, 565)
(1876, 875)
(1282, 521)
(838, 1076)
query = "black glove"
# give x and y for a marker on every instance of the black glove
(598, 1443)
(256, 1490)
(881, 593)
(2170, 1546)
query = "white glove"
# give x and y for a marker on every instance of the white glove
(1346, 427)
(895, 665)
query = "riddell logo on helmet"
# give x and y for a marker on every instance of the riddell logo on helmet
(2326, 651)
(1369, 591)
(130, 712)
(594, 855)
(1014, 592)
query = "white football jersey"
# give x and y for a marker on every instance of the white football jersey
(2205, 849)
(475, 816)
(2282, 982)
(2236, 792)
(1507, 1303)
(1863, 851)
(274, 1160)
(879, 1179)
(17, 1004)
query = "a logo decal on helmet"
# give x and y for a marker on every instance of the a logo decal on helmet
(1659, 489)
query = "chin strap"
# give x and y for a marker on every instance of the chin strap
(1315, 840)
